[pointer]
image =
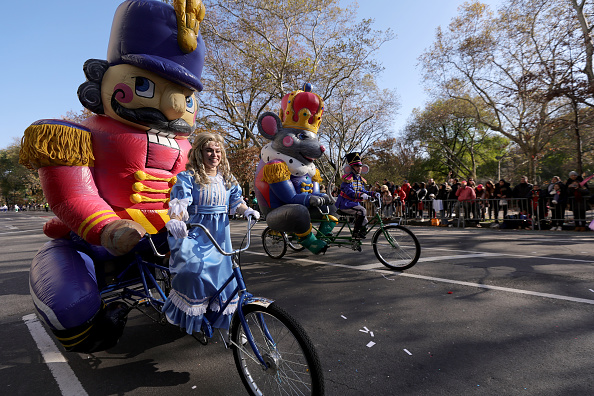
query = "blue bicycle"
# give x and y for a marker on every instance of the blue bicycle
(272, 352)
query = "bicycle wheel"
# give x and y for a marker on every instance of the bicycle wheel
(396, 247)
(293, 244)
(293, 365)
(163, 280)
(274, 242)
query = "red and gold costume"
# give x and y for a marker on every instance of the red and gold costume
(108, 178)
(120, 172)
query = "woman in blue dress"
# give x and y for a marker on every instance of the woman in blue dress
(205, 193)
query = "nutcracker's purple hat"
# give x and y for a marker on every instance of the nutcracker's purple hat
(144, 34)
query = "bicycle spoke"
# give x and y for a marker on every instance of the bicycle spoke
(396, 247)
(289, 369)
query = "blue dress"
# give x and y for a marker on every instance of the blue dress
(197, 267)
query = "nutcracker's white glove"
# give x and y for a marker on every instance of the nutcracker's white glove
(251, 212)
(554, 202)
(364, 197)
(177, 228)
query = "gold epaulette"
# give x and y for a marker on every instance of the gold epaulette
(317, 177)
(276, 171)
(54, 142)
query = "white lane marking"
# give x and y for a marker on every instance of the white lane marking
(443, 280)
(506, 254)
(436, 258)
(67, 381)
(30, 232)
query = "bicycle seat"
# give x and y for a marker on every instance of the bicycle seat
(341, 213)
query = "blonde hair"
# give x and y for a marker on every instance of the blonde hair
(195, 163)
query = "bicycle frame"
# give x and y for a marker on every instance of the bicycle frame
(134, 294)
(244, 297)
(137, 290)
(339, 240)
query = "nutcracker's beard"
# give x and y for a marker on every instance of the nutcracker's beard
(152, 118)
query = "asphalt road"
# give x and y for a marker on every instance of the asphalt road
(484, 312)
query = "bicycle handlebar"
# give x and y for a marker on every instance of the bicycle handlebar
(152, 244)
(214, 242)
(372, 199)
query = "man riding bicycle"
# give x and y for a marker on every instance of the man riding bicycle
(353, 192)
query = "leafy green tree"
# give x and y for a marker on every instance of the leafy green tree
(453, 142)
(394, 160)
(18, 184)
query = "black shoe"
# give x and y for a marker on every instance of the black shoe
(363, 233)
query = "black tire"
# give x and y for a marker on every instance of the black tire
(274, 243)
(294, 366)
(396, 247)
(293, 244)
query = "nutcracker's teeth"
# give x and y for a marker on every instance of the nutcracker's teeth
(162, 138)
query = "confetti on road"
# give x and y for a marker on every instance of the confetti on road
(371, 333)
(342, 316)
(592, 290)
(406, 350)
(370, 344)
(194, 387)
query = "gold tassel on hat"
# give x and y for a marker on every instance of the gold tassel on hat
(189, 14)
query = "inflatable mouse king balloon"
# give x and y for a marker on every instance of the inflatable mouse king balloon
(287, 181)
(108, 178)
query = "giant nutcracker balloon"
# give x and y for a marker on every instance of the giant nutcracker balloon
(287, 181)
(108, 178)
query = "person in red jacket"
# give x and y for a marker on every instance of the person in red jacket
(399, 199)
(466, 196)
(108, 178)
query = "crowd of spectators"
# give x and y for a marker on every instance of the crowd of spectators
(24, 207)
(550, 205)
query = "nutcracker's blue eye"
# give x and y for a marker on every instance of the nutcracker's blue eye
(144, 87)
(190, 104)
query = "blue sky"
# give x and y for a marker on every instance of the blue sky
(44, 45)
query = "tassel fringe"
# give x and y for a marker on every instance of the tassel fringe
(56, 144)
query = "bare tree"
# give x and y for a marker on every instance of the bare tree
(508, 64)
(259, 50)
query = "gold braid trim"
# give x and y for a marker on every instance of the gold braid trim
(276, 172)
(52, 144)
(317, 177)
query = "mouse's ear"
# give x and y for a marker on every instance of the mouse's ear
(269, 124)
(347, 169)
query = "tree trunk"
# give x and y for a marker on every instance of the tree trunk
(578, 138)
